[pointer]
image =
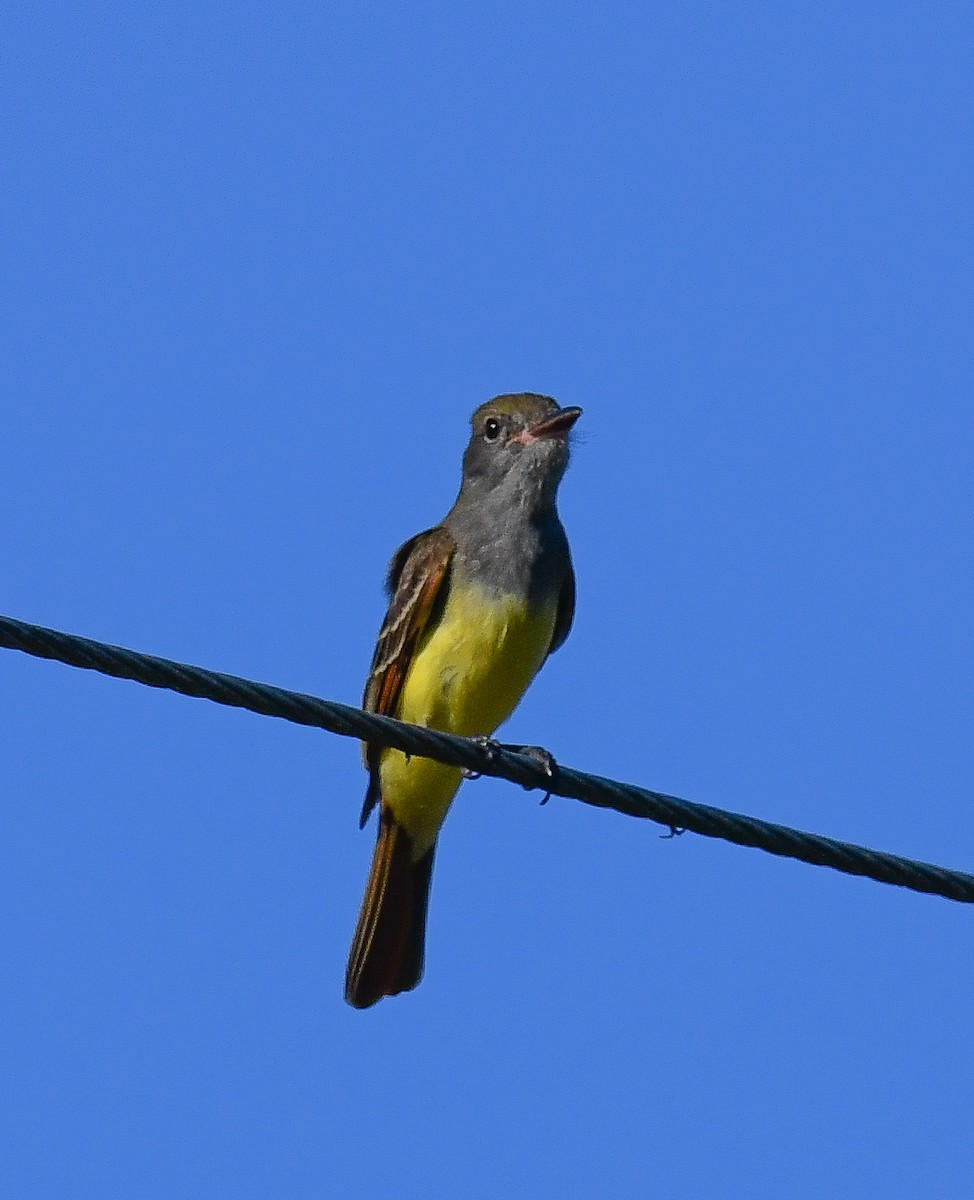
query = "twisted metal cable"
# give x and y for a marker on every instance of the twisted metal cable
(503, 762)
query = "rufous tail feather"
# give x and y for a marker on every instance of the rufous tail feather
(387, 950)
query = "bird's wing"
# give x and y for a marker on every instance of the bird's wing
(566, 610)
(417, 585)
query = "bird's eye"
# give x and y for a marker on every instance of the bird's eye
(492, 429)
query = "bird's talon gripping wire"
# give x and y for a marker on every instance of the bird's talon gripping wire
(544, 758)
(490, 747)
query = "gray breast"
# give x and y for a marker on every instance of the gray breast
(511, 554)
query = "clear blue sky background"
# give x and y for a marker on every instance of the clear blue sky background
(258, 266)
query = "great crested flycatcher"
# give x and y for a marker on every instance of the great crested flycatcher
(476, 606)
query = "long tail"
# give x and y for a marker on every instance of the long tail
(387, 950)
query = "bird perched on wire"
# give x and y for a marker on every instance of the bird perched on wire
(477, 604)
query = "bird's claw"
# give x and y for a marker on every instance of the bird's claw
(545, 760)
(542, 757)
(490, 747)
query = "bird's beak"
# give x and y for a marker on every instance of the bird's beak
(554, 427)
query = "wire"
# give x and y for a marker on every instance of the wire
(531, 771)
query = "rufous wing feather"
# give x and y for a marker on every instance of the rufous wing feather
(418, 580)
(388, 946)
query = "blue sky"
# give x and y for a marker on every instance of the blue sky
(258, 267)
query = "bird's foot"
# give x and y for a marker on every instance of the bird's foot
(545, 760)
(490, 747)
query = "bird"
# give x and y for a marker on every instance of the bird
(476, 605)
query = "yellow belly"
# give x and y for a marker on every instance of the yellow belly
(467, 676)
